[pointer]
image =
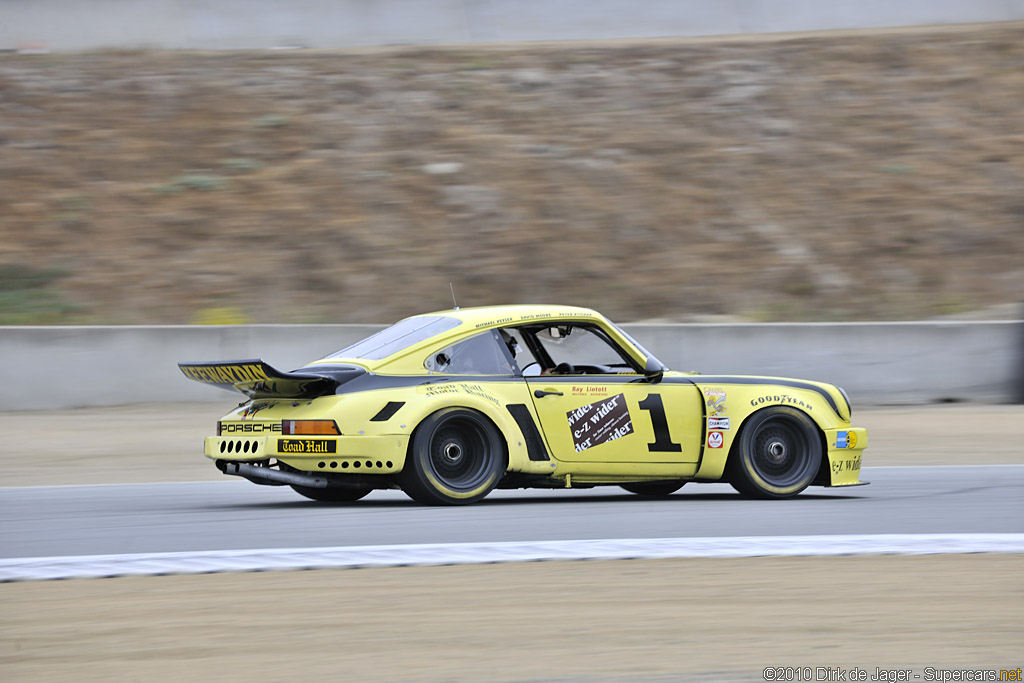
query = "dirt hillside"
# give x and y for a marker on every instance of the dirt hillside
(824, 177)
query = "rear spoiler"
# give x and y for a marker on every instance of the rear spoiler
(257, 379)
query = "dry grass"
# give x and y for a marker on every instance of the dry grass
(829, 177)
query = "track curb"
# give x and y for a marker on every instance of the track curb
(354, 557)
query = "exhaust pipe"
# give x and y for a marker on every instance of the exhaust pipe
(268, 477)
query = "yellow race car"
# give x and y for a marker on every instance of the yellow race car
(449, 405)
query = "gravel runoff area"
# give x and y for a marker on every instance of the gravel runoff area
(655, 620)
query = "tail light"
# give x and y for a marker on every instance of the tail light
(310, 428)
(218, 427)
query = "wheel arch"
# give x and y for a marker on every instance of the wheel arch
(819, 430)
(475, 406)
(733, 472)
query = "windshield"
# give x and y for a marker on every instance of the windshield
(398, 337)
(638, 346)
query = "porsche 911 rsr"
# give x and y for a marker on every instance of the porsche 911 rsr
(448, 406)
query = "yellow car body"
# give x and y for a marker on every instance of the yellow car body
(449, 405)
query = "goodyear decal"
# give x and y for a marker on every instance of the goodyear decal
(225, 374)
(779, 398)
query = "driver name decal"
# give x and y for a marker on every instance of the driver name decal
(597, 423)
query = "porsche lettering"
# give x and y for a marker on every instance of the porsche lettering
(249, 427)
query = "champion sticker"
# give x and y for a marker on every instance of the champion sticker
(846, 439)
(715, 439)
(718, 423)
(597, 423)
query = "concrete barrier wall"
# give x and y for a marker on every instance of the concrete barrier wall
(240, 24)
(45, 368)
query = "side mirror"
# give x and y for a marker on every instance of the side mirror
(653, 369)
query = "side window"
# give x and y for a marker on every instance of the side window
(479, 355)
(528, 364)
(581, 346)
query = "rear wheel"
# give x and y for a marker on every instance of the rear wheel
(654, 489)
(334, 494)
(777, 455)
(456, 457)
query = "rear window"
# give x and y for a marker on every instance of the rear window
(398, 337)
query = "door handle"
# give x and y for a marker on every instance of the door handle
(540, 393)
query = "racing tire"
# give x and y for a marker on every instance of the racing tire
(456, 457)
(334, 494)
(653, 489)
(777, 455)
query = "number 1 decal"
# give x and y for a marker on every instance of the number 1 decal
(662, 439)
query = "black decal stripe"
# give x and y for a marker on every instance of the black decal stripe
(534, 443)
(766, 381)
(388, 411)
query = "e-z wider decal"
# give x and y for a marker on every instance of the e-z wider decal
(597, 423)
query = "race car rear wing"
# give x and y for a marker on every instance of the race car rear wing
(257, 379)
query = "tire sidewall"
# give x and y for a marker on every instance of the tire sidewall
(420, 478)
(749, 479)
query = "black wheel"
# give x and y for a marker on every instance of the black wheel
(777, 455)
(456, 457)
(654, 489)
(336, 494)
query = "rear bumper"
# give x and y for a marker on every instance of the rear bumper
(337, 454)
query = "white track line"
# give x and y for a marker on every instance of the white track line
(206, 562)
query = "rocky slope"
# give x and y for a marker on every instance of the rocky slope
(823, 177)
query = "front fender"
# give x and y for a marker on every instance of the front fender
(732, 401)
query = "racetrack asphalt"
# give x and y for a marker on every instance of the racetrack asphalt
(175, 517)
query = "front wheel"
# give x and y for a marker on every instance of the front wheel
(654, 489)
(336, 494)
(456, 457)
(777, 455)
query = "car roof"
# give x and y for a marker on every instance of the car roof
(481, 317)
(472, 321)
